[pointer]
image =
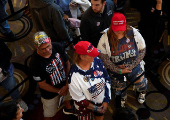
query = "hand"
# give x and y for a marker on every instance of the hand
(66, 17)
(63, 91)
(122, 66)
(74, 4)
(0, 69)
(152, 9)
(103, 108)
(126, 70)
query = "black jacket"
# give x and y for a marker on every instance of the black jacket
(48, 16)
(92, 24)
(5, 56)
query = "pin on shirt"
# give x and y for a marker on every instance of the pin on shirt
(127, 40)
(98, 23)
(124, 78)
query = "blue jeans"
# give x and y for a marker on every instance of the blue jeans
(4, 26)
(9, 83)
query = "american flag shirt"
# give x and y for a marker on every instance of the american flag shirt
(51, 69)
(96, 88)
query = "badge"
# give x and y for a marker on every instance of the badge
(127, 40)
(88, 51)
(85, 79)
(98, 23)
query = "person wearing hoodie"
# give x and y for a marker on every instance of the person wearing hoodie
(49, 17)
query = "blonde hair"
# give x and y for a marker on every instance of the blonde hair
(113, 38)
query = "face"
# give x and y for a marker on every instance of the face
(119, 33)
(97, 6)
(19, 113)
(45, 49)
(87, 58)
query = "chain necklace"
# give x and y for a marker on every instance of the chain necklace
(86, 78)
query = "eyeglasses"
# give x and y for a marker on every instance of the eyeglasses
(42, 49)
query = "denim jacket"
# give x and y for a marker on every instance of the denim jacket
(64, 4)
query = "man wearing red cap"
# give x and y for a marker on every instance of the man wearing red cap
(50, 66)
(96, 19)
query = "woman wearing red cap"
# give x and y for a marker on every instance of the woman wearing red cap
(89, 82)
(122, 52)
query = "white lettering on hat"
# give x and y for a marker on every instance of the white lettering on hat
(118, 22)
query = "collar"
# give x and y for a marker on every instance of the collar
(102, 10)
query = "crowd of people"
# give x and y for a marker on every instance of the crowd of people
(109, 55)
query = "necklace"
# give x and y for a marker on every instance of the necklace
(85, 78)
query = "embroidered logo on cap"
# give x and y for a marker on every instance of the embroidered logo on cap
(90, 48)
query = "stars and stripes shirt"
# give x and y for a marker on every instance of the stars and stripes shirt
(96, 88)
(51, 69)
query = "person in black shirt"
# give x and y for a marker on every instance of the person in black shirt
(96, 19)
(50, 66)
(49, 17)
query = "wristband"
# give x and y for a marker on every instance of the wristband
(95, 109)
(120, 71)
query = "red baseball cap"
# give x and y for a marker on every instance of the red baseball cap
(118, 22)
(86, 48)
